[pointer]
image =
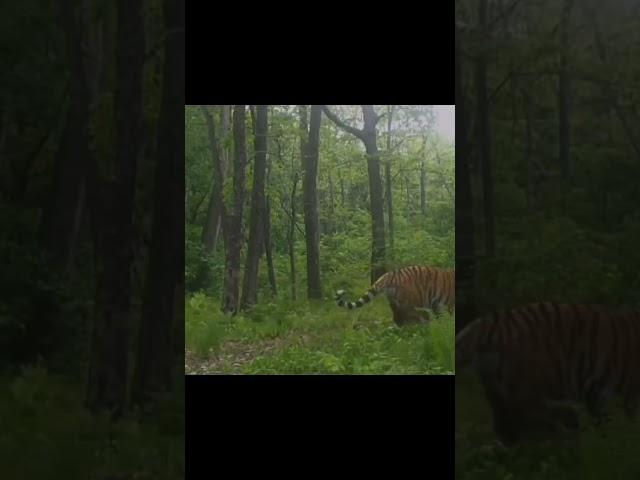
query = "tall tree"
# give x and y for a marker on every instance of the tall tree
(256, 226)
(155, 346)
(64, 208)
(368, 136)
(423, 188)
(233, 227)
(213, 220)
(387, 174)
(310, 203)
(291, 238)
(110, 340)
(268, 248)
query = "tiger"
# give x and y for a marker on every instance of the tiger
(538, 362)
(410, 290)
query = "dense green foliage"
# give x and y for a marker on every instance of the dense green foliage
(280, 335)
(47, 433)
(46, 311)
(299, 338)
(609, 451)
(569, 239)
(575, 239)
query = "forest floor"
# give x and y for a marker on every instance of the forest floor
(47, 433)
(319, 338)
(610, 451)
(232, 356)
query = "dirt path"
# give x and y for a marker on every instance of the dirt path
(234, 355)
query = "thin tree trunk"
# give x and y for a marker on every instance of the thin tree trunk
(233, 225)
(256, 227)
(291, 239)
(407, 183)
(155, 341)
(268, 249)
(332, 224)
(423, 188)
(213, 219)
(387, 173)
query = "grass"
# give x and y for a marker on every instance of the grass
(46, 433)
(609, 452)
(313, 338)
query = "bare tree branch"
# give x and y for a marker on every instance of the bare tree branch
(380, 117)
(341, 124)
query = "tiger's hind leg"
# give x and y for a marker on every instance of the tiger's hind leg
(405, 315)
(507, 419)
(419, 316)
(398, 316)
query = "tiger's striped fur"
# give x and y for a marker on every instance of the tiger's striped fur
(410, 289)
(533, 358)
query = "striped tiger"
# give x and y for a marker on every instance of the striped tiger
(410, 290)
(539, 361)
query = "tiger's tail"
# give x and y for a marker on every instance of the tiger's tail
(366, 298)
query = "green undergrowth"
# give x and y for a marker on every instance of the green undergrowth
(315, 338)
(46, 433)
(610, 451)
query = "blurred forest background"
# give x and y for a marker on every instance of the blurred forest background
(91, 168)
(548, 157)
(316, 198)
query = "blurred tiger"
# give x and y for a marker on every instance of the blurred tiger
(538, 361)
(411, 290)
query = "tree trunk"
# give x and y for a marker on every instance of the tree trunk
(155, 342)
(423, 188)
(109, 355)
(64, 209)
(407, 183)
(483, 136)
(387, 173)
(233, 225)
(368, 137)
(256, 227)
(310, 204)
(291, 239)
(213, 220)
(268, 248)
(378, 267)
(465, 250)
(332, 211)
